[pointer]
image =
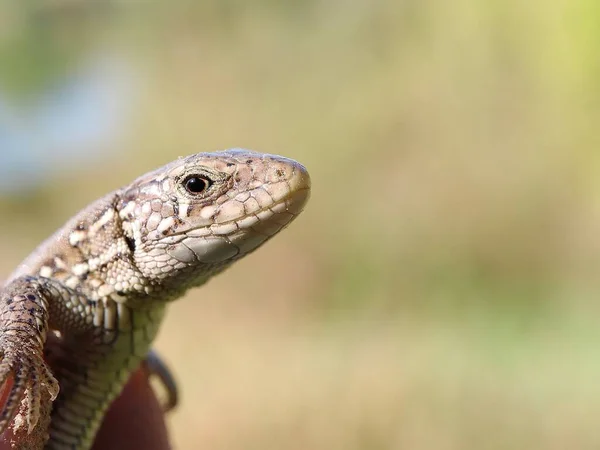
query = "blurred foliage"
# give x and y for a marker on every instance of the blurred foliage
(440, 290)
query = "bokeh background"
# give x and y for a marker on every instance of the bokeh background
(441, 290)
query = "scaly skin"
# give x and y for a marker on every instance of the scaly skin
(102, 282)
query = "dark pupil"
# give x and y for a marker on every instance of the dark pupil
(196, 185)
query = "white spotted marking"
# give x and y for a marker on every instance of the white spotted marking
(128, 210)
(60, 264)
(165, 225)
(46, 271)
(107, 217)
(184, 210)
(72, 282)
(76, 237)
(80, 269)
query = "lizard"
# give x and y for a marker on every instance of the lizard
(99, 286)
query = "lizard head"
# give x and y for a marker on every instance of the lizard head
(192, 218)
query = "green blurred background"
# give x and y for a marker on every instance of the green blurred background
(441, 289)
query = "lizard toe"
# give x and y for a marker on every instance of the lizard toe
(49, 381)
(13, 398)
(33, 399)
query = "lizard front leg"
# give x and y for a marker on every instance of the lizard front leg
(99, 335)
(24, 322)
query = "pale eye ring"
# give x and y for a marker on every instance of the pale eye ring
(196, 184)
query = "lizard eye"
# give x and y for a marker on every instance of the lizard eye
(196, 184)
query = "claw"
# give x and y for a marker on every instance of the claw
(156, 367)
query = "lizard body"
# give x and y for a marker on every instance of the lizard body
(99, 286)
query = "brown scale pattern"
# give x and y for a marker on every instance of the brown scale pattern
(98, 288)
